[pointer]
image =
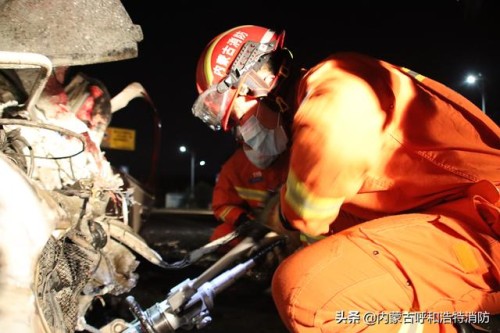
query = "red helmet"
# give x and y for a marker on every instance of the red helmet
(226, 59)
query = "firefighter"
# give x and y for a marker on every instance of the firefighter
(245, 183)
(412, 164)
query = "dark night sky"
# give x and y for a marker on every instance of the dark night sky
(442, 39)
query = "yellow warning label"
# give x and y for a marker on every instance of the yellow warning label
(119, 138)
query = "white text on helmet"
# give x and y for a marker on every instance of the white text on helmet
(222, 61)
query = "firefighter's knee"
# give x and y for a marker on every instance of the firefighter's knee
(283, 284)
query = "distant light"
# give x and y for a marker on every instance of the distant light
(202, 163)
(471, 79)
(182, 149)
(478, 80)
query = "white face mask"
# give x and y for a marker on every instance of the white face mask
(258, 159)
(265, 141)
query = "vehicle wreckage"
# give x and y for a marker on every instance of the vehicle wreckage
(66, 215)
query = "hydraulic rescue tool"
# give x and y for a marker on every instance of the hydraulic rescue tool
(188, 304)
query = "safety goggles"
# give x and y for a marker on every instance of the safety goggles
(213, 106)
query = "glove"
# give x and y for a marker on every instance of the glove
(253, 229)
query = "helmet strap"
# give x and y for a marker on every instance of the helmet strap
(257, 87)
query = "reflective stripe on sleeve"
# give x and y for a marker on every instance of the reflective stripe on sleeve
(252, 194)
(307, 239)
(306, 204)
(225, 212)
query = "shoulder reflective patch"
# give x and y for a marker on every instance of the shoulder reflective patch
(306, 204)
(417, 76)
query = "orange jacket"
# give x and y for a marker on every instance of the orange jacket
(379, 139)
(243, 188)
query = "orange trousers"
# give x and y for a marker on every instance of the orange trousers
(442, 263)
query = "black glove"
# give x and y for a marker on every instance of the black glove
(253, 229)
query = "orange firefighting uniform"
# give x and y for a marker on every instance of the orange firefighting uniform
(420, 165)
(243, 188)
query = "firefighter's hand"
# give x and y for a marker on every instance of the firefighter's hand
(271, 227)
(271, 219)
(253, 229)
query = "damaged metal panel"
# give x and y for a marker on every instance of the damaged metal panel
(69, 32)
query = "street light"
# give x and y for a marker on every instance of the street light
(478, 79)
(184, 149)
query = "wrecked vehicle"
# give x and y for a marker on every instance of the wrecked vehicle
(66, 206)
(68, 214)
(65, 213)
